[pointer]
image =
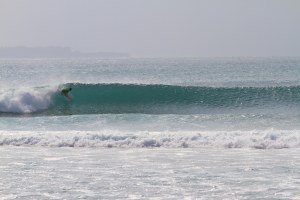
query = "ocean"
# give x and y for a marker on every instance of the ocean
(150, 128)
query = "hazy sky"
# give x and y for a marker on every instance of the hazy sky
(156, 27)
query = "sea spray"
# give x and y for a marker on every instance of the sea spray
(25, 100)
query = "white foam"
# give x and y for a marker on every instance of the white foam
(269, 139)
(25, 100)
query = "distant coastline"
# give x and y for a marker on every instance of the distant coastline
(54, 52)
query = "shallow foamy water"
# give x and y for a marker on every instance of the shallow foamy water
(93, 173)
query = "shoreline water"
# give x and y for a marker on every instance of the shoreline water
(201, 173)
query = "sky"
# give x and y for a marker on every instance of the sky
(156, 28)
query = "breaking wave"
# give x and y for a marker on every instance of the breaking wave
(269, 139)
(134, 98)
(25, 100)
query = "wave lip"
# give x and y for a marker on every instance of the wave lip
(271, 139)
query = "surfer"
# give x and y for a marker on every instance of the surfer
(65, 93)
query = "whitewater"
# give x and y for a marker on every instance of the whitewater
(148, 128)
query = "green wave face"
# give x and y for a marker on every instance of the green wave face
(166, 99)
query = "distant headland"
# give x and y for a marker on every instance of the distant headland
(53, 52)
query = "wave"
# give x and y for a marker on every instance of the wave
(269, 139)
(134, 98)
(25, 100)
